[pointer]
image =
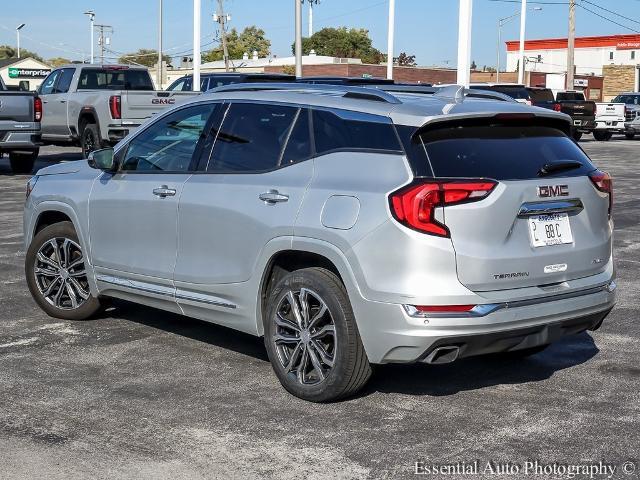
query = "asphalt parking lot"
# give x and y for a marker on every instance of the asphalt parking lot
(141, 393)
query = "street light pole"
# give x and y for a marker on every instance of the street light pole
(159, 71)
(91, 14)
(464, 43)
(523, 22)
(196, 45)
(390, 33)
(298, 41)
(501, 23)
(18, 28)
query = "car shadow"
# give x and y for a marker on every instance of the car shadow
(409, 379)
(44, 160)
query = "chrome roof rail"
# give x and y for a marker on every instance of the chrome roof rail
(348, 91)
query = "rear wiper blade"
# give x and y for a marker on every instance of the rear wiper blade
(549, 168)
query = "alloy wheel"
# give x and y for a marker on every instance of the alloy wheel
(305, 336)
(60, 274)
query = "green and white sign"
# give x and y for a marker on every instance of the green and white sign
(16, 72)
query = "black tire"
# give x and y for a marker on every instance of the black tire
(90, 139)
(524, 353)
(630, 136)
(350, 370)
(602, 136)
(577, 135)
(23, 162)
(57, 232)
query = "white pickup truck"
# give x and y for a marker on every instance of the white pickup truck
(610, 118)
(97, 105)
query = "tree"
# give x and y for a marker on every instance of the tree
(342, 42)
(405, 60)
(58, 61)
(250, 39)
(144, 56)
(473, 65)
(7, 51)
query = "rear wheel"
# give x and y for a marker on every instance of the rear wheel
(630, 136)
(312, 339)
(602, 135)
(577, 135)
(23, 162)
(55, 268)
(90, 139)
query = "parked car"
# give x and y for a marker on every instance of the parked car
(98, 105)
(348, 226)
(209, 81)
(610, 119)
(631, 101)
(518, 92)
(20, 116)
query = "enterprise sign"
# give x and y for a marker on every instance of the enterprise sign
(28, 72)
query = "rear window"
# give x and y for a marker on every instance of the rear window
(569, 96)
(498, 152)
(541, 95)
(108, 79)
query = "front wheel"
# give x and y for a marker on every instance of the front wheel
(23, 162)
(55, 268)
(312, 338)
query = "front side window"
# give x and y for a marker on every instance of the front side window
(168, 144)
(251, 138)
(47, 85)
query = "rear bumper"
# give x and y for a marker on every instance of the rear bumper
(505, 326)
(20, 140)
(614, 125)
(584, 125)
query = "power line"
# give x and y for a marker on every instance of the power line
(607, 19)
(611, 11)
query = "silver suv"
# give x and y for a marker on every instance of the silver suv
(348, 226)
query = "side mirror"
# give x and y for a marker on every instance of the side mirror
(103, 160)
(23, 85)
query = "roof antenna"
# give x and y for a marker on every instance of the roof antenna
(451, 92)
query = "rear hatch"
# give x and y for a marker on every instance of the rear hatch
(509, 238)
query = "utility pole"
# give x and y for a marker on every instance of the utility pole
(222, 19)
(464, 43)
(159, 71)
(390, 34)
(102, 40)
(196, 46)
(298, 41)
(571, 44)
(523, 23)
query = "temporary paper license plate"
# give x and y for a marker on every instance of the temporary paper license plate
(547, 230)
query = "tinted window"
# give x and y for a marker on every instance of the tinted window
(628, 99)
(251, 138)
(352, 131)
(168, 144)
(299, 144)
(541, 95)
(64, 82)
(570, 96)
(500, 152)
(514, 91)
(177, 86)
(114, 79)
(48, 83)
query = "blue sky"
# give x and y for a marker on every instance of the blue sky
(425, 28)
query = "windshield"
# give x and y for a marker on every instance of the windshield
(628, 99)
(112, 79)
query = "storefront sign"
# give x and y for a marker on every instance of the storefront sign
(628, 46)
(15, 72)
(580, 82)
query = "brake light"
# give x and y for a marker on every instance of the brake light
(557, 107)
(603, 182)
(114, 107)
(37, 109)
(414, 205)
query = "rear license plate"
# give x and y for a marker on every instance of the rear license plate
(547, 230)
(577, 122)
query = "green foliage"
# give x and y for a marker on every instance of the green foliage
(405, 60)
(58, 61)
(144, 56)
(250, 39)
(342, 42)
(7, 51)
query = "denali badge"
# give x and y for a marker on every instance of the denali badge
(547, 191)
(559, 267)
(501, 276)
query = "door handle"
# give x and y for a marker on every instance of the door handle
(273, 196)
(164, 191)
(63, 101)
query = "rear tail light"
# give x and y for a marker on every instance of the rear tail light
(557, 107)
(414, 205)
(114, 107)
(603, 182)
(37, 109)
(530, 103)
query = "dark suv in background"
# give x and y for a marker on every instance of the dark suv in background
(214, 80)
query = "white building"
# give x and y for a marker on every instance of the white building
(591, 54)
(16, 70)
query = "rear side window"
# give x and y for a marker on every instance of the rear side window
(500, 152)
(251, 138)
(114, 79)
(352, 131)
(542, 95)
(64, 82)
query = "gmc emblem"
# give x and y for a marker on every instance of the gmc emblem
(547, 191)
(163, 101)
